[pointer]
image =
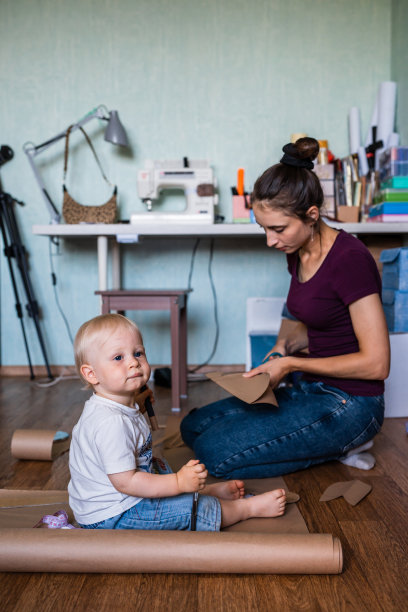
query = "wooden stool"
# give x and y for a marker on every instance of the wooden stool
(174, 300)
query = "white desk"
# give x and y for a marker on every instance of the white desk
(124, 233)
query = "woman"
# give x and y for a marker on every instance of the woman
(338, 405)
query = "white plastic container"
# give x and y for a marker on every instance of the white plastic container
(396, 390)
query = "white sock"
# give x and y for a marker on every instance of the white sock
(360, 449)
(362, 461)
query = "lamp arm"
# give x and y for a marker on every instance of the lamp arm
(100, 112)
(55, 215)
(31, 150)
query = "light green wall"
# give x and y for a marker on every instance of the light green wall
(224, 80)
(399, 63)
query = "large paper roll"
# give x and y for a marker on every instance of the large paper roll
(110, 551)
(383, 115)
(354, 130)
(387, 97)
(362, 161)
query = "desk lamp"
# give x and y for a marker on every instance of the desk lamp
(114, 133)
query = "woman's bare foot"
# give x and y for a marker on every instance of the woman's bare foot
(268, 504)
(230, 489)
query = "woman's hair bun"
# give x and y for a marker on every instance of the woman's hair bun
(306, 148)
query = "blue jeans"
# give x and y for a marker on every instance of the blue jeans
(172, 513)
(313, 424)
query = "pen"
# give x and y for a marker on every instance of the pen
(240, 181)
(194, 512)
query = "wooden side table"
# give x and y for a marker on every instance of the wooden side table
(174, 300)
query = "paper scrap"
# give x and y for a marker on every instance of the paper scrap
(353, 491)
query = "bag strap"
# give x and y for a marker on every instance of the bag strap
(88, 140)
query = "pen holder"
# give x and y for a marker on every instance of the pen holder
(241, 211)
(348, 214)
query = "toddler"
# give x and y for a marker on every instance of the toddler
(115, 482)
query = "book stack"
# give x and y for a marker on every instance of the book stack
(351, 189)
(391, 204)
(325, 173)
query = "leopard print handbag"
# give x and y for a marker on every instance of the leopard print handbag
(72, 211)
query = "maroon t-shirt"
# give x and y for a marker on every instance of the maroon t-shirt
(348, 273)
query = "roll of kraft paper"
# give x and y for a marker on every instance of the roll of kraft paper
(354, 130)
(82, 550)
(387, 97)
(39, 444)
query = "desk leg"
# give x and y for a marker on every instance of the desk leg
(102, 263)
(175, 355)
(183, 350)
(116, 272)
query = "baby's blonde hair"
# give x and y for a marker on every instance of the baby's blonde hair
(92, 330)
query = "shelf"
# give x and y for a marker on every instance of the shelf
(213, 230)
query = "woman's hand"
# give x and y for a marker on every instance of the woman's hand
(276, 368)
(277, 351)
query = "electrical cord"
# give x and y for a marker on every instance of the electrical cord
(54, 285)
(190, 274)
(54, 381)
(64, 318)
(215, 301)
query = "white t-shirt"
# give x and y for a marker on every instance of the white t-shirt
(109, 438)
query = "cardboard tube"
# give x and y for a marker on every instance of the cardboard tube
(48, 550)
(37, 444)
(387, 96)
(354, 129)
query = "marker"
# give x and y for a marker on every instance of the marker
(240, 181)
(194, 512)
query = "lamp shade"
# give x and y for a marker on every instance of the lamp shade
(115, 132)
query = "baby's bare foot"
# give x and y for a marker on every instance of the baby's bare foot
(230, 489)
(268, 504)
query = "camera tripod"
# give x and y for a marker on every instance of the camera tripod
(16, 255)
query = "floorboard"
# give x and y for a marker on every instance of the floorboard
(374, 534)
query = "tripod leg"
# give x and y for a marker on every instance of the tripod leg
(8, 254)
(21, 259)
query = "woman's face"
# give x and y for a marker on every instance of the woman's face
(283, 232)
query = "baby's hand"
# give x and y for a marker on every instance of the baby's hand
(191, 477)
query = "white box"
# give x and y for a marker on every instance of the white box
(396, 393)
(263, 315)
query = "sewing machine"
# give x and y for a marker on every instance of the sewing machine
(195, 178)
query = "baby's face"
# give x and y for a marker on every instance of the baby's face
(119, 365)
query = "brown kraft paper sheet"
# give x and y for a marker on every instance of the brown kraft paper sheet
(254, 390)
(25, 549)
(172, 448)
(82, 550)
(272, 546)
(37, 444)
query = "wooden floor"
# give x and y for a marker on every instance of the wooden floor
(374, 534)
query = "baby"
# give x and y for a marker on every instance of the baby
(115, 481)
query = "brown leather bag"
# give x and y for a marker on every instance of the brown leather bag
(72, 211)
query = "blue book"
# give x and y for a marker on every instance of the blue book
(388, 208)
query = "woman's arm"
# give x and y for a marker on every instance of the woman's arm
(370, 362)
(292, 337)
(190, 478)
